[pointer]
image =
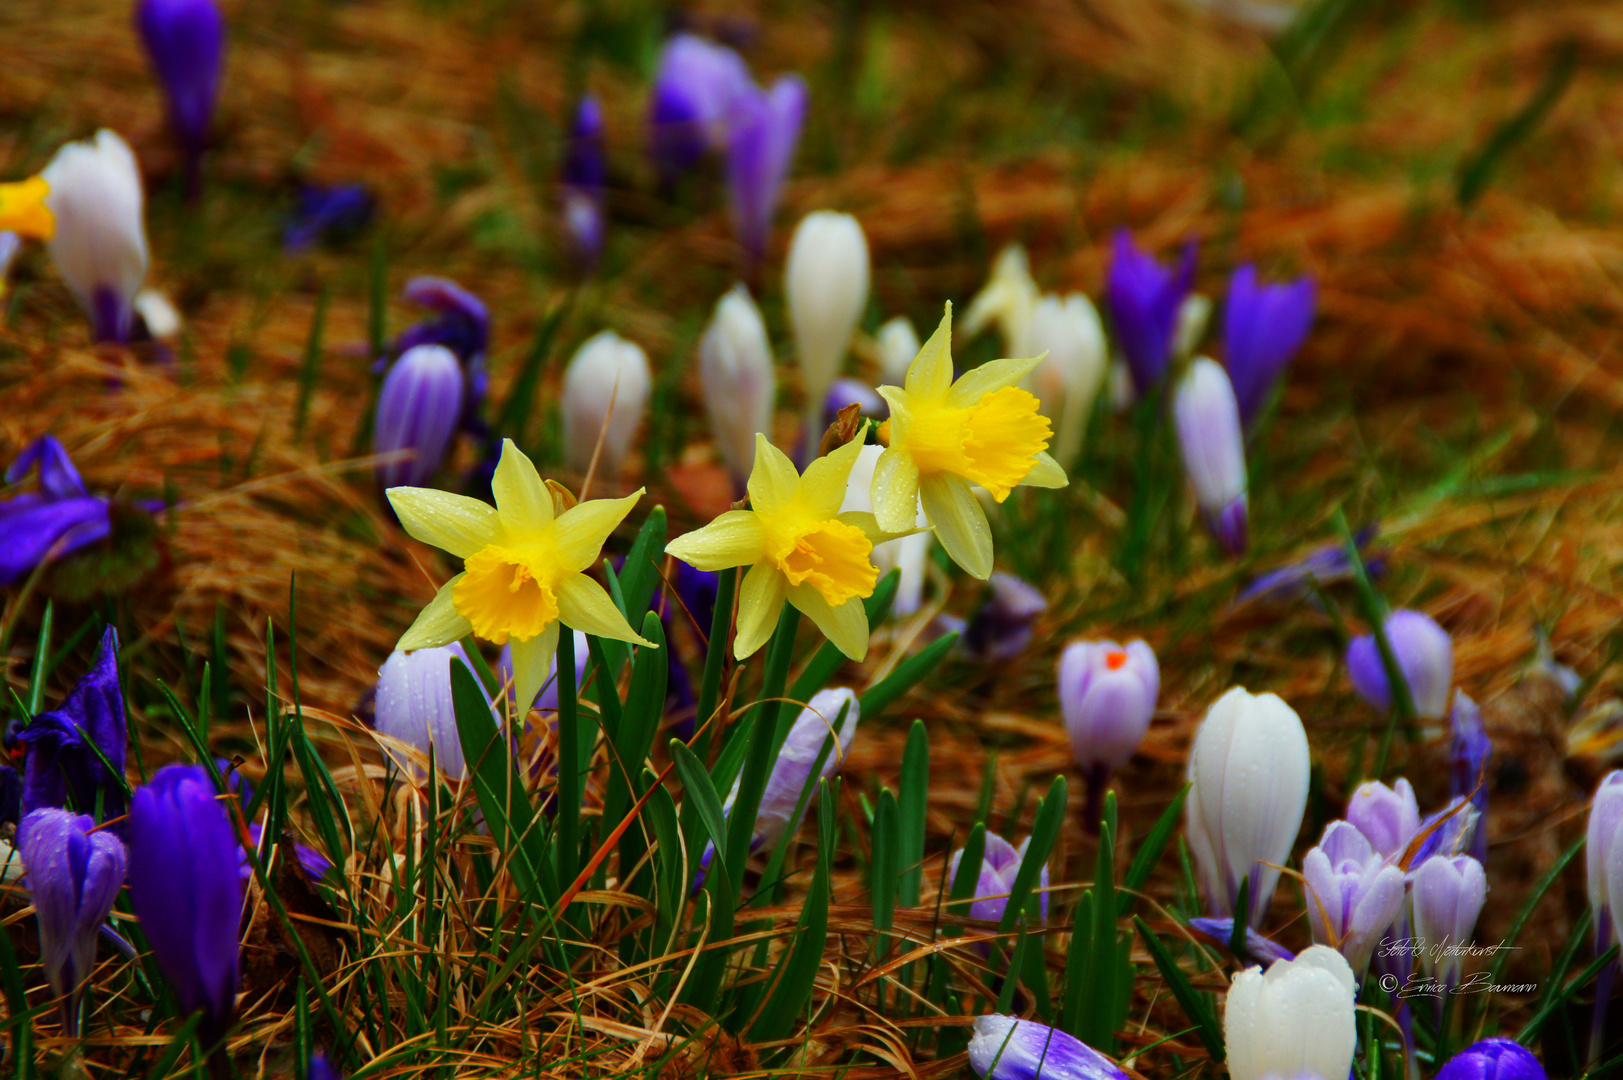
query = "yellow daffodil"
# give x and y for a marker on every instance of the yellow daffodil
(799, 549)
(946, 436)
(524, 563)
(23, 209)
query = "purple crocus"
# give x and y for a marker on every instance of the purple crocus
(321, 1069)
(185, 40)
(1213, 451)
(1425, 655)
(74, 874)
(1007, 1048)
(419, 408)
(59, 519)
(1389, 817)
(1449, 892)
(1469, 752)
(1144, 298)
(1603, 865)
(1263, 326)
(186, 889)
(1258, 949)
(1000, 864)
(1493, 1059)
(1326, 565)
(1107, 693)
(325, 212)
(585, 180)
(1004, 625)
(695, 87)
(1353, 894)
(62, 767)
(846, 392)
(765, 131)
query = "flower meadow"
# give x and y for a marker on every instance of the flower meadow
(651, 600)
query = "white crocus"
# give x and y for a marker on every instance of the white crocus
(898, 345)
(605, 393)
(1213, 445)
(1009, 298)
(1295, 1019)
(1248, 775)
(1068, 329)
(909, 553)
(100, 243)
(740, 384)
(826, 279)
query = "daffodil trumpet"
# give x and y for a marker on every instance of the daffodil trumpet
(800, 550)
(525, 563)
(947, 437)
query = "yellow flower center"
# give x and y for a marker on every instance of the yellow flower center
(993, 443)
(508, 592)
(829, 555)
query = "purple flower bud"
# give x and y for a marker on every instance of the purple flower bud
(853, 392)
(1213, 451)
(1388, 817)
(791, 772)
(1469, 751)
(1325, 566)
(1263, 326)
(327, 212)
(414, 706)
(461, 320)
(1144, 299)
(185, 40)
(1493, 1059)
(1107, 694)
(1006, 1048)
(1353, 894)
(999, 866)
(322, 1069)
(695, 88)
(1424, 653)
(74, 875)
(1004, 625)
(1603, 855)
(765, 132)
(186, 891)
(1259, 950)
(61, 518)
(418, 410)
(1448, 895)
(62, 767)
(585, 179)
(311, 861)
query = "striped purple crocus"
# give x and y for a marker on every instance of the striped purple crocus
(1213, 448)
(1144, 298)
(1263, 327)
(1008, 1048)
(419, 408)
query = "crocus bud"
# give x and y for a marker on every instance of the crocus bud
(1425, 655)
(1493, 1059)
(1259, 950)
(910, 554)
(1009, 298)
(1248, 774)
(605, 393)
(765, 132)
(547, 699)
(1193, 315)
(321, 1069)
(1006, 1048)
(185, 40)
(740, 382)
(100, 243)
(1388, 817)
(827, 281)
(419, 407)
(847, 392)
(1068, 379)
(999, 866)
(184, 887)
(585, 180)
(898, 345)
(1469, 751)
(1107, 694)
(415, 706)
(1602, 852)
(1449, 831)
(74, 874)
(1448, 895)
(1263, 327)
(67, 746)
(1144, 300)
(1353, 894)
(1213, 451)
(60, 518)
(1294, 1019)
(792, 771)
(695, 87)
(1003, 626)
(327, 213)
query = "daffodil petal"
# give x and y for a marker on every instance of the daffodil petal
(760, 602)
(454, 523)
(930, 374)
(845, 625)
(532, 663)
(989, 377)
(23, 209)
(895, 491)
(736, 538)
(522, 499)
(1047, 473)
(869, 525)
(959, 522)
(822, 488)
(584, 606)
(773, 481)
(581, 530)
(438, 623)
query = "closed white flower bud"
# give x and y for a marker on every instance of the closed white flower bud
(1295, 1019)
(605, 392)
(1068, 379)
(826, 279)
(898, 345)
(735, 368)
(100, 243)
(1209, 434)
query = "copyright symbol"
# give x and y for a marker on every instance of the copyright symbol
(1388, 983)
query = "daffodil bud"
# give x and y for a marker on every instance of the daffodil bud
(765, 132)
(1448, 895)
(415, 706)
(1000, 864)
(740, 382)
(1353, 894)
(1248, 775)
(792, 770)
(898, 344)
(419, 406)
(1603, 853)
(1066, 382)
(100, 243)
(826, 279)
(1213, 450)
(1006, 1048)
(605, 393)
(1425, 655)
(909, 553)
(1388, 817)
(1107, 693)
(1493, 1059)
(1294, 1019)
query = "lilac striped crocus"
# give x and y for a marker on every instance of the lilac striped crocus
(1000, 864)
(1449, 892)
(1005, 624)
(585, 184)
(695, 88)
(1469, 752)
(415, 707)
(1107, 694)
(1493, 1059)
(59, 519)
(1263, 327)
(1389, 817)
(765, 129)
(1259, 950)
(74, 874)
(1353, 894)
(67, 745)
(1213, 451)
(419, 408)
(1425, 655)
(185, 40)
(185, 889)
(1008, 1048)
(1144, 299)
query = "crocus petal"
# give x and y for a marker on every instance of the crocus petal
(453, 523)
(895, 491)
(581, 530)
(991, 376)
(521, 498)
(532, 662)
(774, 481)
(584, 605)
(733, 539)
(760, 602)
(1006, 1048)
(845, 625)
(34, 532)
(438, 623)
(959, 521)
